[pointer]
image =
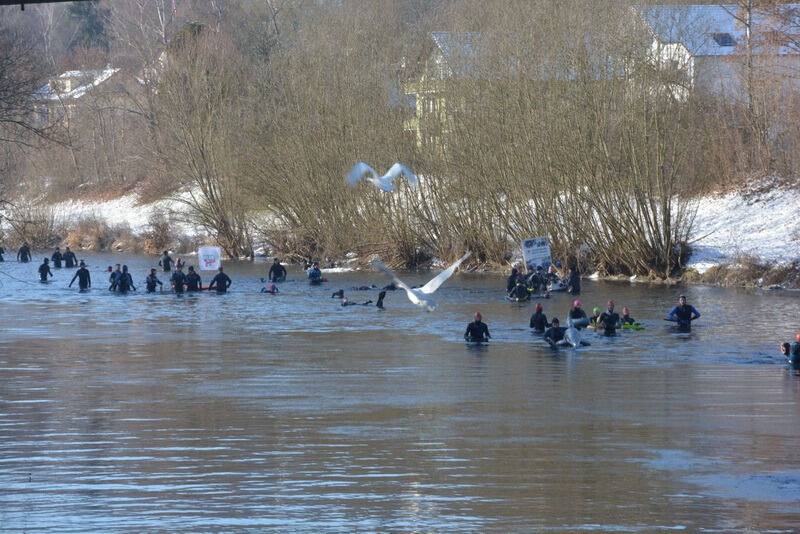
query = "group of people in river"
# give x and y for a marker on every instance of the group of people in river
(605, 322)
(539, 283)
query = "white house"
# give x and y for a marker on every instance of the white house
(56, 100)
(708, 44)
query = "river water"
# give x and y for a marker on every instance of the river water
(289, 413)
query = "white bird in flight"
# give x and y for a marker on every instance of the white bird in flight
(420, 296)
(362, 170)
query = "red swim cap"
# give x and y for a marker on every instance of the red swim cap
(576, 303)
(797, 337)
(538, 306)
(478, 316)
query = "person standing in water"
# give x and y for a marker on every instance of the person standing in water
(152, 281)
(683, 314)
(113, 278)
(221, 282)
(792, 353)
(609, 320)
(125, 281)
(166, 262)
(577, 317)
(56, 258)
(44, 271)
(574, 281)
(555, 333)
(24, 253)
(477, 331)
(539, 320)
(277, 273)
(178, 280)
(83, 276)
(2, 251)
(193, 280)
(70, 261)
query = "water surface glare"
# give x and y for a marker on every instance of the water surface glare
(290, 413)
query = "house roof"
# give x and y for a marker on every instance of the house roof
(459, 49)
(713, 30)
(85, 81)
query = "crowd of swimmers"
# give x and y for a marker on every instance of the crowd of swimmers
(604, 322)
(520, 286)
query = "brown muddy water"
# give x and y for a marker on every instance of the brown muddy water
(289, 413)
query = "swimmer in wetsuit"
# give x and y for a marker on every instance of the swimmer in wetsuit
(577, 316)
(83, 276)
(277, 273)
(125, 281)
(520, 292)
(539, 320)
(792, 353)
(272, 289)
(193, 280)
(477, 331)
(221, 281)
(44, 270)
(178, 280)
(555, 333)
(609, 320)
(595, 316)
(152, 281)
(315, 274)
(683, 314)
(69, 258)
(24, 253)
(56, 258)
(626, 316)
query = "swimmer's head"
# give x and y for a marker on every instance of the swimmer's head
(538, 306)
(555, 322)
(785, 347)
(596, 309)
(625, 310)
(797, 337)
(610, 305)
(478, 316)
(576, 303)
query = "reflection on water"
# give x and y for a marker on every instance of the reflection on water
(290, 413)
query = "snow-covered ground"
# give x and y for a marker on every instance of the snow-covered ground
(121, 210)
(766, 225)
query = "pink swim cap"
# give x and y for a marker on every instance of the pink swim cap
(576, 303)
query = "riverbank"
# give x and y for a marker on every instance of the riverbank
(746, 237)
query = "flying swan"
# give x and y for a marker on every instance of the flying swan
(362, 170)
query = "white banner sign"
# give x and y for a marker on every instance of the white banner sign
(209, 258)
(536, 251)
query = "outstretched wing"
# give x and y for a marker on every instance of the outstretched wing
(358, 171)
(440, 278)
(396, 170)
(399, 283)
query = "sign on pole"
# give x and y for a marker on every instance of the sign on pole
(209, 258)
(536, 251)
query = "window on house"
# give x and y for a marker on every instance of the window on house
(724, 39)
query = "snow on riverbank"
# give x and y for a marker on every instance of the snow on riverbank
(766, 226)
(122, 210)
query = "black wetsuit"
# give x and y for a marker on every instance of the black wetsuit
(44, 271)
(277, 273)
(577, 313)
(794, 356)
(2, 251)
(56, 259)
(84, 279)
(536, 282)
(151, 282)
(539, 322)
(70, 261)
(511, 283)
(609, 321)
(315, 276)
(574, 283)
(684, 315)
(477, 331)
(24, 254)
(520, 292)
(166, 263)
(627, 319)
(554, 334)
(178, 281)
(221, 282)
(113, 280)
(125, 283)
(193, 281)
